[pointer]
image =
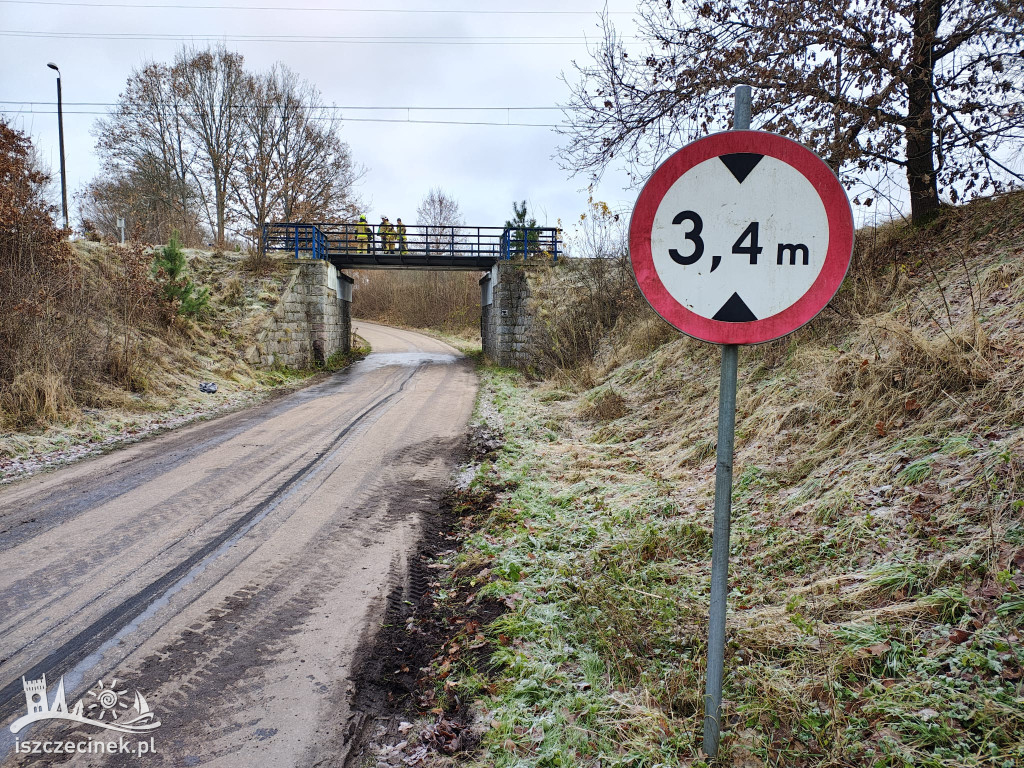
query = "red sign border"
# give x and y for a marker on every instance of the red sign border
(837, 258)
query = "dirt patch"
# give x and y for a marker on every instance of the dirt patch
(407, 710)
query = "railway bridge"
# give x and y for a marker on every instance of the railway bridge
(313, 320)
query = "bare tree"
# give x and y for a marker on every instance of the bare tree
(133, 196)
(256, 182)
(317, 171)
(292, 165)
(210, 83)
(205, 135)
(931, 88)
(146, 162)
(439, 213)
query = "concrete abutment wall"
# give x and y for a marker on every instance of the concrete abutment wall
(312, 321)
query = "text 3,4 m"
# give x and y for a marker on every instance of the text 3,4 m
(746, 244)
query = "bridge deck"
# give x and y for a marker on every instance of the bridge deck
(368, 246)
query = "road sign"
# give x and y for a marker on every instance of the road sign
(741, 237)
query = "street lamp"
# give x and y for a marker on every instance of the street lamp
(60, 130)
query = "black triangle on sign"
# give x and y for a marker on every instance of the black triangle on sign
(735, 311)
(740, 164)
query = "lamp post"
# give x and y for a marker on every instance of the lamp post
(60, 130)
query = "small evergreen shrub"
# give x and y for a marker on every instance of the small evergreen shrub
(170, 267)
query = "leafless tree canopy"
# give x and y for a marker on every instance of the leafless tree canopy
(148, 162)
(293, 166)
(205, 141)
(438, 211)
(932, 88)
(210, 83)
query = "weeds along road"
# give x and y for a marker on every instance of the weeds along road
(231, 571)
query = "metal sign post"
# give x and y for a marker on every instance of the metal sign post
(723, 508)
(740, 237)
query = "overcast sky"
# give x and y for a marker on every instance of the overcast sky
(484, 167)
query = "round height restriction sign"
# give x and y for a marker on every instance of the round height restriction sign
(741, 237)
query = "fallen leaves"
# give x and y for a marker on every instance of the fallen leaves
(878, 649)
(958, 636)
(416, 756)
(445, 736)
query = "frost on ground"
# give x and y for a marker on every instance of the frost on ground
(99, 433)
(484, 439)
(876, 611)
(172, 360)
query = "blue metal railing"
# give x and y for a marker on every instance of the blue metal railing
(529, 241)
(413, 245)
(299, 238)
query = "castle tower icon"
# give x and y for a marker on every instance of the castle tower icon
(39, 706)
(35, 697)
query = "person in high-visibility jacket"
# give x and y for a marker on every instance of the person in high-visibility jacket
(387, 234)
(403, 244)
(364, 236)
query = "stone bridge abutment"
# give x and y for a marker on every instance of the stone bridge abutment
(313, 319)
(506, 314)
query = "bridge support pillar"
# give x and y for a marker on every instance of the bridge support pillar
(506, 314)
(312, 321)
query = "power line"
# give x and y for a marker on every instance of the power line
(333, 107)
(409, 120)
(360, 40)
(178, 6)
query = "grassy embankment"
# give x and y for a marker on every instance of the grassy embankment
(140, 373)
(878, 534)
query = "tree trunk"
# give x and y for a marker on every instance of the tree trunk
(920, 123)
(221, 205)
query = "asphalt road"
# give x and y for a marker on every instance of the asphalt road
(231, 571)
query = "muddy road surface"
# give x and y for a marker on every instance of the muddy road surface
(230, 571)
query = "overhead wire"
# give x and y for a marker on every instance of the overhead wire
(348, 39)
(334, 107)
(394, 40)
(408, 120)
(290, 9)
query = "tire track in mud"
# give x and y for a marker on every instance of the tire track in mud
(253, 662)
(230, 649)
(54, 507)
(61, 574)
(219, 653)
(93, 637)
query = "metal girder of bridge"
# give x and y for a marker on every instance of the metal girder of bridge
(383, 246)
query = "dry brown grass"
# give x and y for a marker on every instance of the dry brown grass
(589, 318)
(43, 297)
(446, 301)
(603, 405)
(878, 508)
(893, 387)
(119, 358)
(34, 397)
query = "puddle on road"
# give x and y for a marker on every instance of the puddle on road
(376, 360)
(372, 362)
